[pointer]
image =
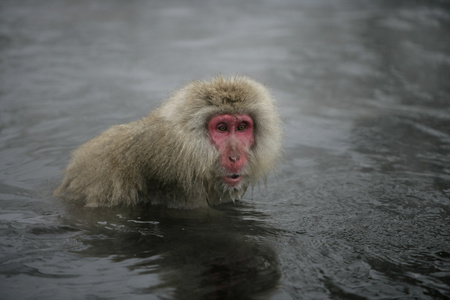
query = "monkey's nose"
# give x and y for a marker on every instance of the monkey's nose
(234, 158)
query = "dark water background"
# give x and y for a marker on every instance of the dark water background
(360, 208)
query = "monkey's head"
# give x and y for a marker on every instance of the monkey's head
(231, 129)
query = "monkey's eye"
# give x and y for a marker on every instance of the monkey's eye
(241, 127)
(222, 128)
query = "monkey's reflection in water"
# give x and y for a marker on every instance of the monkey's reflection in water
(220, 253)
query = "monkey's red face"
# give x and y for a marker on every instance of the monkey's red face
(233, 136)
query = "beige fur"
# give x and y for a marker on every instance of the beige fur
(167, 157)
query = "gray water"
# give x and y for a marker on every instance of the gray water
(359, 209)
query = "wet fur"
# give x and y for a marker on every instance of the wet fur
(167, 158)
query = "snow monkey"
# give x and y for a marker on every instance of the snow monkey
(204, 146)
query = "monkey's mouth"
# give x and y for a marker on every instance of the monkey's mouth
(232, 179)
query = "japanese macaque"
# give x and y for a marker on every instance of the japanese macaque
(204, 146)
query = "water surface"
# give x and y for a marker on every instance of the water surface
(359, 209)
